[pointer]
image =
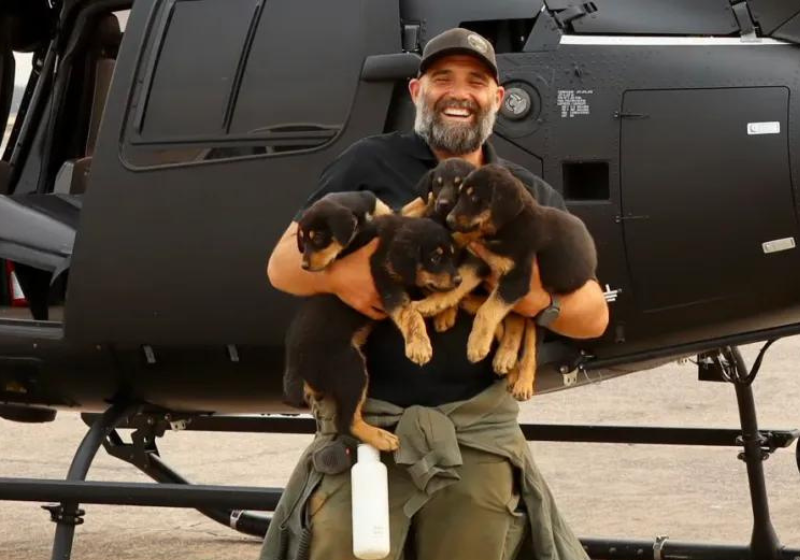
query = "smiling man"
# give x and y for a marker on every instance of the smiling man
(463, 482)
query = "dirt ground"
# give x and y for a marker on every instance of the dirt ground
(690, 494)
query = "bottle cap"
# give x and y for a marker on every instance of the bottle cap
(368, 453)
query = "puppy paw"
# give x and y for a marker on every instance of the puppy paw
(522, 390)
(385, 441)
(445, 320)
(419, 351)
(377, 438)
(479, 345)
(504, 360)
(512, 377)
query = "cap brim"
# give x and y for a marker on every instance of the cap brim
(426, 63)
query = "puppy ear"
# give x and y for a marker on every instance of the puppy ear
(343, 227)
(507, 199)
(404, 257)
(425, 186)
(301, 246)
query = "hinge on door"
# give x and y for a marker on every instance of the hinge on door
(565, 16)
(747, 28)
(410, 37)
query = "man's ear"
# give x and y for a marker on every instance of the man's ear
(414, 87)
(301, 246)
(500, 94)
(343, 227)
(506, 200)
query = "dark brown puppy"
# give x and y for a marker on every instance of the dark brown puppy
(331, 223)
(517, 230)
(323, 344)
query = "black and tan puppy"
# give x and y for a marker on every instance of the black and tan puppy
(323, 344)
(439, 189)
(330, 225)
(516, 230)
(412, 252)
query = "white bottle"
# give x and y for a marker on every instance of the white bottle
(370, 505)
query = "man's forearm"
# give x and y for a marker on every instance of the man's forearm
(285, 272)
(584, 313)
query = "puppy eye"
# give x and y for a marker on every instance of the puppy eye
(475, 199)
(436, 258)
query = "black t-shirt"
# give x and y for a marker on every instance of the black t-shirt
(390, 165)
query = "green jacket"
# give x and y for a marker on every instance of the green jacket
(429, 448)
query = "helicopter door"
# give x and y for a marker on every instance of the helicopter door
(705, 183)
(221, 116)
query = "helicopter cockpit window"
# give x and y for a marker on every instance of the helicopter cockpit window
(246, 87)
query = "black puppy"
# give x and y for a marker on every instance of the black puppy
(323, 345)
(327, 228)
(516, 230)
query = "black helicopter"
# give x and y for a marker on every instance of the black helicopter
(153, 165)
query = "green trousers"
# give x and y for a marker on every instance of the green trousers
(477, 517)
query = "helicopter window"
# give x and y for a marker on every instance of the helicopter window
(251, 90)
(194, 69)
(315, 90)
(586, 180)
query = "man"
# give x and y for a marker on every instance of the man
(458, 484)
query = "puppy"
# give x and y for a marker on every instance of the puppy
(327, 228)
(439, 189)
(412, 252)
(517, 231)
(323, 344)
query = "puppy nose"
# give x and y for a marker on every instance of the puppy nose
(305, 264)
(443, 205)
(451, 221)
(457, 280)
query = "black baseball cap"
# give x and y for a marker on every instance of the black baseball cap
(459, 41)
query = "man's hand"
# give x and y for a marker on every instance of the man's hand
(584, 312)
(350, 278)
(534, 301)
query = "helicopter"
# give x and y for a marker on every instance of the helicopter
(152, 167)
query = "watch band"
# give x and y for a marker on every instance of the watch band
(550, 313)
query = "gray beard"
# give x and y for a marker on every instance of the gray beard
(454, 139)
